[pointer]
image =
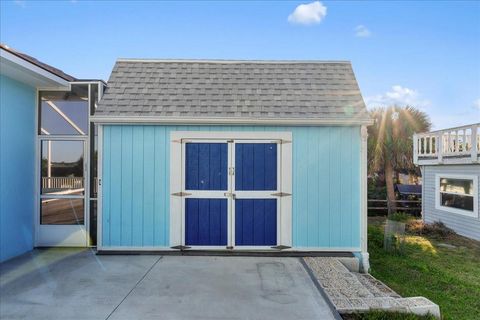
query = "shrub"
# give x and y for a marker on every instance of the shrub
(436, 229)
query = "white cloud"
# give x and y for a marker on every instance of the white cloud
(398, 95)
(476, 104)
(362, 32)
(306, 14)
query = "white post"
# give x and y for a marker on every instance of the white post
(49, 164)
(473, 137)
(363, 202)
(440, 147)
(415, 148)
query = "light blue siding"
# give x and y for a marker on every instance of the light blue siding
(325, 201)
(17, 167)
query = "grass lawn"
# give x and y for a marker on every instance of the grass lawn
(429, 267)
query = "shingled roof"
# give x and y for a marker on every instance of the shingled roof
(44, 66)
(242, 91)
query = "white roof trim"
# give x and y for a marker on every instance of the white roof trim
(39, 75)
(234, 61)
(229, 121)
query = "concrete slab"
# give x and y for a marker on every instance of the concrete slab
(76, 284)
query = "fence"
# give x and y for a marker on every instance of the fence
(383, 205)
(62, 182)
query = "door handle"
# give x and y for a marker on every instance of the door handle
(230, 195)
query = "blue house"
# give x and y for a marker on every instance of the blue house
(174, 155)
(47, 172)
(232, 156)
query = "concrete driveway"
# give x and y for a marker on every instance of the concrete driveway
(77, 284)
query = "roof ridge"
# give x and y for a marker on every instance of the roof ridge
(228, 61)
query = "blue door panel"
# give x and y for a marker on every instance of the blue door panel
(205, 222)
(255, 166)
(255, 222)
(206, 166)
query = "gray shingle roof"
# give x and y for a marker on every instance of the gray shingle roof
(232, 89)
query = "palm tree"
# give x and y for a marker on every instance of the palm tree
(390, 143)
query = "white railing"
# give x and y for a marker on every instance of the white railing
(454, 145)
(62, 182)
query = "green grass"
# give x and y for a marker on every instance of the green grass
(385, 315)
(449, 277)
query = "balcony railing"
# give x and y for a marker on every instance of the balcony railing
(458, 145)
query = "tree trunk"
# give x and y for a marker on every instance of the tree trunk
(390, 187)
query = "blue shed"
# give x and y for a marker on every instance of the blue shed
(232, 155)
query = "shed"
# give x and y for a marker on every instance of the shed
(232, 156)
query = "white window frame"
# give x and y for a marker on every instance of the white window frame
(177, 142)
(438, 206)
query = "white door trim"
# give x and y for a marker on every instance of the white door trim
(61, 235)
(177, 183)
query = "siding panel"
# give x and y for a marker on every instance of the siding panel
(137, 188)
(325, 200)
(464, 225)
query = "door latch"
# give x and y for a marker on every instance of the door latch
(230, 195)
(231, 171)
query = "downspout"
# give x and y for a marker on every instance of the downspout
(422, 170)
(365, 263)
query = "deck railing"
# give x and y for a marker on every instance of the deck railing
(449, 146)
(62, 182)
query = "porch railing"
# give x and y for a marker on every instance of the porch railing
(449, 146)
(62, 182)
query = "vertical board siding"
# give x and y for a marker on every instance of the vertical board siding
(326, 184)
(255, 166)
(256, 222)
(206, 166)
(205, 222)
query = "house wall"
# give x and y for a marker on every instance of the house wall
(326, 180)
(462, 224)
(17, 154)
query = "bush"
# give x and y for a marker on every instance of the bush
(436, 229)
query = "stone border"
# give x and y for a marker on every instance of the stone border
(352, 292)
(335, 312)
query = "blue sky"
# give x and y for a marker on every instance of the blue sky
(423, 53)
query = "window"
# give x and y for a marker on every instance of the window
(64, 112)
(457, 194)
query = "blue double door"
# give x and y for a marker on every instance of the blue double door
(230, 198)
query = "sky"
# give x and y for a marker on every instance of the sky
(424, 54)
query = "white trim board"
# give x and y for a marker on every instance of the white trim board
(240, 248)
(24, 71)
(229, 121)
(467, 213)
(177, 159)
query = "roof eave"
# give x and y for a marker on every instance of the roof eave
(22, 70)
(99, 119)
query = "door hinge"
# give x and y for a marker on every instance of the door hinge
(180, 247)
(281, 194)
(181, 194)
(281, 247)
(231, 171)
(285, 141)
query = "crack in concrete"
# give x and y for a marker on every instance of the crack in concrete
(133, 288)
